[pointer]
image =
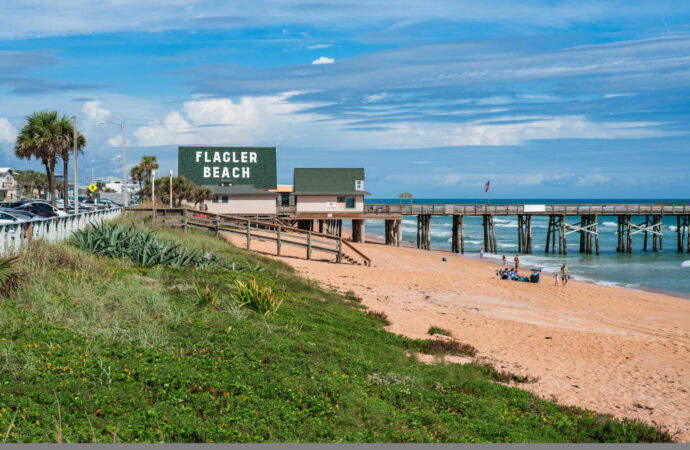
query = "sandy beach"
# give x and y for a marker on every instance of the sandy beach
(612, 350)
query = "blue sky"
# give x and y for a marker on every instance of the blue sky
(545, 99)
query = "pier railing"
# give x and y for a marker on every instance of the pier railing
(566, 209)
(14, 236)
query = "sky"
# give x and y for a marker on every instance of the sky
(545, 99)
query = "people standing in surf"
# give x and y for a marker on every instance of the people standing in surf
(517, 262)
(481, 253)
(565, 274)
(505, 261)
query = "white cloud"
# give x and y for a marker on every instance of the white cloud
(94, 113)
(592, 179)
(323, 60)
(7, 132)
(319, 46)
(618, 95)
(263, 120)
(375, 97)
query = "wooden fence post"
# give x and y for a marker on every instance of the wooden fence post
(339, 258)
(216, 222)
(278, 242)
(249, 233)
(184, 220)
(309, 245)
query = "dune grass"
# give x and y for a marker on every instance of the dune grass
(97, 349)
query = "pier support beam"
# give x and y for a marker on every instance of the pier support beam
(305, 224)
(489, 234)
(358, 230)
(683, 231)
(398, 232)
(333, 227)
(391, 231)
(455, 239)
(525, 234)
(556, 226)
(424, 231)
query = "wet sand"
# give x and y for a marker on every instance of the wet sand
(609, 349)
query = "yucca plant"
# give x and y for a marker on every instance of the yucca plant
(8, 274)
(259, 298)
(141, 245)
(206, 296)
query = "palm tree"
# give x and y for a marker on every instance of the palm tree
(66, 128)
(42, 137)
(137, 174)
(201, 195)
(148, 164)
(30, 180)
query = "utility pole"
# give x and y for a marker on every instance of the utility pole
(153, 187)
(124, 164)
(171, 202)
(76, 184)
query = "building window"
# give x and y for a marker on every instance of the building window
(215, 199)
(359, 185)
(340, 199)
(350, 203)
(225, 199)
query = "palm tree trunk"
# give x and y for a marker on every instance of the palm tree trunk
(65, 183)
(50, 172)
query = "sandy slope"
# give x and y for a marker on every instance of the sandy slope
(612, 350)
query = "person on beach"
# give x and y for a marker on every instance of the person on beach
(505, 261)
(517, 262)
(565, 274)
(481, 253)
(556, 277)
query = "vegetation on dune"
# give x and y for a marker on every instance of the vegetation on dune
(100, 349)
(141, 245)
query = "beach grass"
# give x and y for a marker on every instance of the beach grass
(97, 349)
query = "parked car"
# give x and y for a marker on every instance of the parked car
(7, 217)
(41, 209)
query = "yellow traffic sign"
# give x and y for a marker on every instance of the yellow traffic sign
(92, 187)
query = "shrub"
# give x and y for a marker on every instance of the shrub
(8, 275)
(438, 330)
(206, 297)
(259, 298)
(441, 346)
(141, 245)
(380, 315)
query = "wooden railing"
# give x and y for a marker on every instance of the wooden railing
(566, 209)
(257, 229)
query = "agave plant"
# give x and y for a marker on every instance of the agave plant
(259, 298)
(141, 245)
(206, 296)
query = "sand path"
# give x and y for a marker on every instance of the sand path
(612, 350)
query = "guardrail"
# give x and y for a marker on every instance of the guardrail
(566, 209)
(256, 229)
(14, 236)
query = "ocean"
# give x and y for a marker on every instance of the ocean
(666, 271)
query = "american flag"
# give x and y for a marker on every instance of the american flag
(486, 186)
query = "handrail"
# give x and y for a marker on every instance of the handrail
(366, 258)
(260, 223)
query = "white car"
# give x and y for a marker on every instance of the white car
(9, 217)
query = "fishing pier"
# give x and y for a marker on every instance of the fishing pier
(564, 220)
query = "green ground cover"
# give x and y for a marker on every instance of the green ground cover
(97, 349)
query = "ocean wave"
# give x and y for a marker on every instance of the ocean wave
(510, 224)
(673, 228)
(440, 234)
(609, 224)
(502, 245)
(685, 263)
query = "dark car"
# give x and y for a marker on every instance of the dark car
(41, 209)
(14, 204)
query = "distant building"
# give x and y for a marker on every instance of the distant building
(329, 190)
(8, 185)
(109, 184)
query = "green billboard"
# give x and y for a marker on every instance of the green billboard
(227, 166)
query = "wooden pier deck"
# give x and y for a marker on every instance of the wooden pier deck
(633, 218)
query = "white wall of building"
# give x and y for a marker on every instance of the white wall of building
(327, 203)
(244, 204)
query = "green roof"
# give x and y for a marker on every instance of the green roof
(328, 181)
(238, 189)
